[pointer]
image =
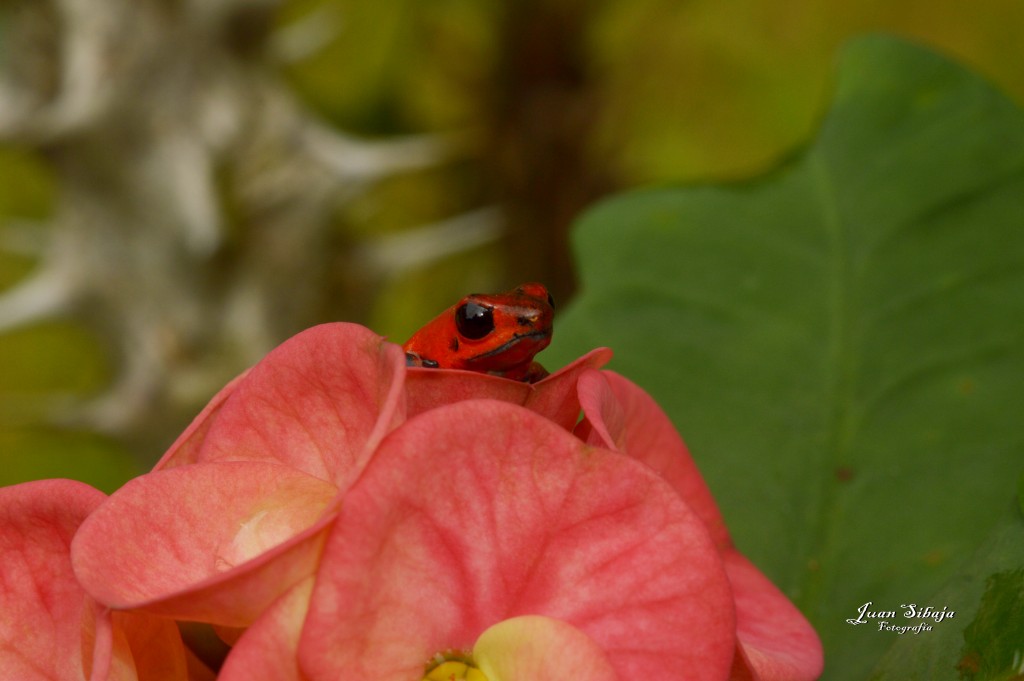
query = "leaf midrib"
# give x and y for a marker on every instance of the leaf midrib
(841, 361)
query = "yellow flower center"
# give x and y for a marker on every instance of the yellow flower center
(455, 670)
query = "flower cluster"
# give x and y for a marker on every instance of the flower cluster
(334, 514)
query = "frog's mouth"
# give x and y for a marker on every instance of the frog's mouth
(540, 337)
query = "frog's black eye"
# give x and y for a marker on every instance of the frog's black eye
(551, 301)
(474, 321)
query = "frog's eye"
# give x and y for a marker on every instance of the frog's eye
(474, 321)
(551, 301)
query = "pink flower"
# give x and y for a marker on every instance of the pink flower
(360, 519)
(49, 628)
(479, 512)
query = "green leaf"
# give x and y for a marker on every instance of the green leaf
(840, 342)
(1020, 492)
(985, 639)
(34, 454)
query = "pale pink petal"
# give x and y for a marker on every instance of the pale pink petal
(43, 607)
(49, 628)
(481, 511)
(320, 402)
(212, 542)
(267, 650)
(531, 647)
(776, 641)
(621, 416)
(554, 397)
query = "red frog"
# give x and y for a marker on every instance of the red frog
(495, 334)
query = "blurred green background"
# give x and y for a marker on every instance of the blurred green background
(188, 187)
(540, 106)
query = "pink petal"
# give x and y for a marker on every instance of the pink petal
(197, 669)
(320, 402)
(50, 628)
(554, 397)
(480, 511)
(210, 542)
(157, 651)
(38, 591)
(267, 649)
(186, 447)
(428, 389)
(776, 641)
(120, 646)
(531, 647)
(619, 415)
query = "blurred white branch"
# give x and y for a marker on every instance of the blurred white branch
(429, 243)
(307, 35)
(357, 160)
(196, 196)
(42, 295)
